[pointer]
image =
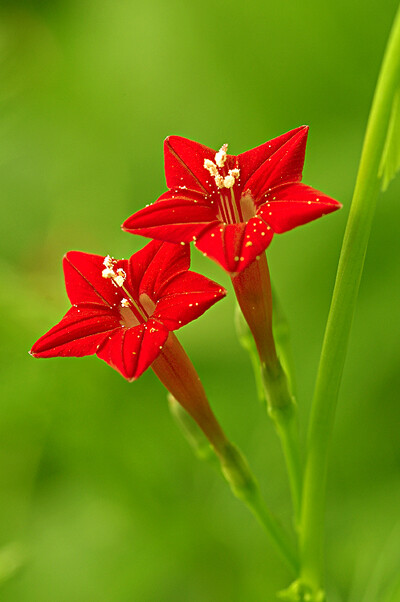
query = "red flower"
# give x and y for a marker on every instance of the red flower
(231, 206)
(123, 310)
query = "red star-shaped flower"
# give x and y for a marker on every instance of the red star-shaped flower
(231, 206)
(123, 310)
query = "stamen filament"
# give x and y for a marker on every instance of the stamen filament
(236, 209)
(137, 308)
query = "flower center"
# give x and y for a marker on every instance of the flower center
(225, 179)
(132, 312)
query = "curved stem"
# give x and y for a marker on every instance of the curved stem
(341, 314)
(177, 373)
(245, 487)
(254, 295)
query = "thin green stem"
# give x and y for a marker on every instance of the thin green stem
(241, 480)
(245, 487)
(283, 411)
(253, 292)
(341, 314)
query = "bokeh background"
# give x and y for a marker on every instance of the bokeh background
(101, 498)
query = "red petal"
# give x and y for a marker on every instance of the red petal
(228, 244)
(176, 220)
(156, 264)
(186, 298)
(84, 281)
(132, 350)
(284, 165)
(79, 333)
(184, 164)
(252, 159)
(294, 205)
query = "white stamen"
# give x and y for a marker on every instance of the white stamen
(220, 156)
(220, 160)
(109, 262)
(108, 273)
(234, 172)
(119, 280)
(219, 180)
(211, 167)
(124, 302)
(229, 181)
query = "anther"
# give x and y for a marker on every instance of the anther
(220, 156)
(229, 181)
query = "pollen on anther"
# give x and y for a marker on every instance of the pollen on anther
(220, 156)
(229, 181)
(248, 244)
(109, 262)
(108, 273)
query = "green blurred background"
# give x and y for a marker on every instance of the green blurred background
(100, 497)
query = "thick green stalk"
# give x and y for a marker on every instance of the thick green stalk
(340, 317)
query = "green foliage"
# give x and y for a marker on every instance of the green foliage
(96, 482)
(390, 162)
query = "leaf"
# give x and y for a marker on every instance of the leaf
(390, 162)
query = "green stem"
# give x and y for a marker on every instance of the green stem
(235, 470)
(253, 292)
(244, 486)
(282, 410)
(341, 314)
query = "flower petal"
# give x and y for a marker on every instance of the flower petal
(173, 218)
(156, 264)
(252, 159)
(131, 351)
(185, 298)
(84, 281)
(293, 205)
(184, 164)
(79, 333)
(235, 246)
(284, 165)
